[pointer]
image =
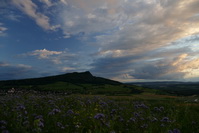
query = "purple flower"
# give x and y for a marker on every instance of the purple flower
(88, 101)
(2, 127)
(103, 104)
(54, 111)
(132, 119)
(3, 122)
(161, 108)
(136, 114)
(154, 119)
(59, 124)
(62, 106)
(70, 112)
(113, 111)
(21, 107)
(39, 117)
(99, 116)
(142, 118)
(77, 126)
(5, 131)
(107, 124)
(41, 124)
(156, 108)
(174, 131)
(162, 125)
(25, 123)
(25, 112)
(121, 119)
(143, 106)
(165, 119)
(51, 113)
(136, 106)
(50, 101)
(144, 126)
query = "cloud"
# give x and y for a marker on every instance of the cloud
(2, 30)
(31, 9)
(88, 17)
(6, 11)
(47, 2)
(54, 62)
(9, 71)
(111, 67)
(130, 25)
(3, 64)
(149, 33)
(135, 39)
(13, 17)
(166, 63)
(18, 71)
(157, 70)
(68, 69)
(43, 54)
(64, 2)
(56, 57)
(120, 23)
(8, 14)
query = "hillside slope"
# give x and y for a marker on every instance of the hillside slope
(70, 83)
(74, 78)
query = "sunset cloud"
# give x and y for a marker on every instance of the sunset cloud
(118, 39)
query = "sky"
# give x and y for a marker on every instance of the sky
(123, 40)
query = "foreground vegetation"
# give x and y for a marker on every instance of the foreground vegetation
(98, 114)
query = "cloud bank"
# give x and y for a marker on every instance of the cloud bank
(136, 40)
(15, 71)
(56, 57)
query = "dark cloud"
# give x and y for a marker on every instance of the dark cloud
(160, 64)
(110, 67)
(161, 69)
(157, 71)
(20, 71)
(8, 71)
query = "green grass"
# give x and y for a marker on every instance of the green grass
(146, 113)
(60, 86)
(105, 89)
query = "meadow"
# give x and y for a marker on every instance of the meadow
(53, 113)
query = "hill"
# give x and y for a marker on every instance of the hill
(83, 83)
(74, 78)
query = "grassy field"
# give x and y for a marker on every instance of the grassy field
(94, 89)
(145, 113)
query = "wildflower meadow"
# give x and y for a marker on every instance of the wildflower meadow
(53, 113)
